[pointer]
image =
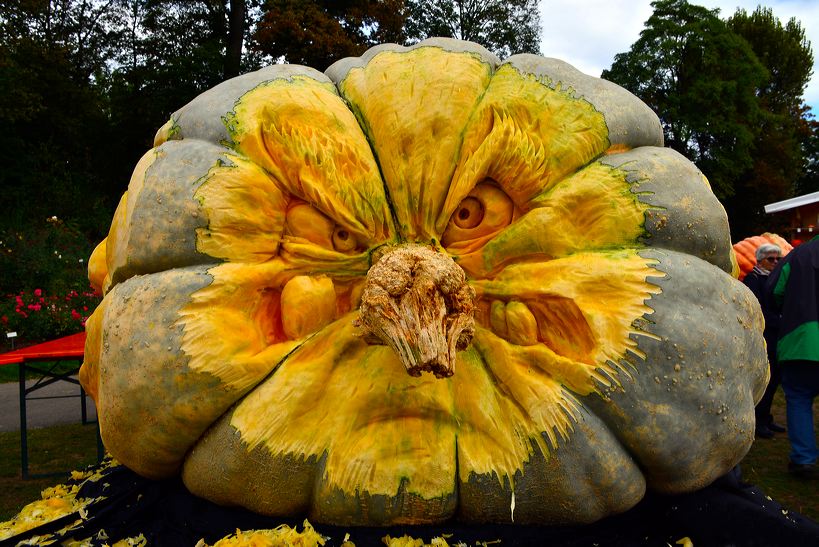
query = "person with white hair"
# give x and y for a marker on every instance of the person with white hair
(767, 256)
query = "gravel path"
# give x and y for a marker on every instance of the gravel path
(42, 412)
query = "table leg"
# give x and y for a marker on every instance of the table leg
(83, 410)
(23, 422)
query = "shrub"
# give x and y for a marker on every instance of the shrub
(36, 316)
(51, 255)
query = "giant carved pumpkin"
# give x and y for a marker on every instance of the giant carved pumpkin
(425, 284)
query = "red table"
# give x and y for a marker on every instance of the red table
(68, 348)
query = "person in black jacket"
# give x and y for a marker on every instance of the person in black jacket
(793, 288)
(767, 256)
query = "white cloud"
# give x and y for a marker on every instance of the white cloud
(589, 33)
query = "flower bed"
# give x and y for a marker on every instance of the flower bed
(37, 316)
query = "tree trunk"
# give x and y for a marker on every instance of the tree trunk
(236, 31)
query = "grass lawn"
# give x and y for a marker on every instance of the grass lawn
(766, 466)
(58, 449)
(11, 373)
(68, 447)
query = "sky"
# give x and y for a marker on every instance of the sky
(589, 33)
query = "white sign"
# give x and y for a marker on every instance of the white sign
(11, 335)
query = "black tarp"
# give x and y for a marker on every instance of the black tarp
(727, 513)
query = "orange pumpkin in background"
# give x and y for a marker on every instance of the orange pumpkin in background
(745, 250)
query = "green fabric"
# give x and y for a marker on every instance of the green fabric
(801, 344)
(779, 289)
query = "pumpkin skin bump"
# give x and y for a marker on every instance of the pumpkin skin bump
(604, 332)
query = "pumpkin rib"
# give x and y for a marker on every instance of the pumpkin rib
(667, 404)
(629, 121)
(376, 92)
(682, 213)
(202, 118)
(155, 229)
(317, 153)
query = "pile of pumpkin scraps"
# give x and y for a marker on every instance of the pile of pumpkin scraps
(281, 536)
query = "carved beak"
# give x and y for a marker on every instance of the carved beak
(417, 301)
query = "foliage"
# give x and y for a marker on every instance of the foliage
(318, 32)
(50, 254)
(52, 112)
(85, 85)
(44, 290)
(38, 317)
(503, 27)
(729, 96)
(809, 181)
(778, 154)
(169, 52)
(700, 78)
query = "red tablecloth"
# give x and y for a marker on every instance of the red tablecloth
(67, 347)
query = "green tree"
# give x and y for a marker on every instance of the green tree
(53, 60)
(52, 109)
(701, 80)
(503, 27)
(779, 147)
(84, 84)
(169, 52)
(809, 181)
(317, 33)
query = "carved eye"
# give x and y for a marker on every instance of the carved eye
(307, 222)
(343, 241)
(469, 213)
(483, 213)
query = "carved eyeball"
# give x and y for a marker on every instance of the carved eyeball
(343, 241)
(469, 213)
(307, 222)
(483, 213)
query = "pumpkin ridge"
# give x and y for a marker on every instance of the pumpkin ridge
(560, 412)
(487, 146)
(305, 137)
(416, 166)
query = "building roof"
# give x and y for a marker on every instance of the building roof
(792, 203)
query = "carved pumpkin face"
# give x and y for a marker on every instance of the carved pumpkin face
(574, 323)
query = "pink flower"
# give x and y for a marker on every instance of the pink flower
(35, 307)
(76, 315)
(38, 292)
(19, 300)
(4, 320)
